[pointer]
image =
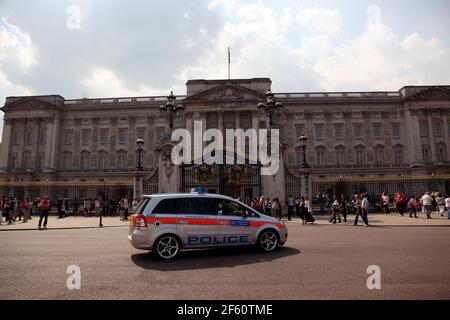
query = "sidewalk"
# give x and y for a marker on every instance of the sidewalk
(66, 223)
(381, 219)
(108, 222)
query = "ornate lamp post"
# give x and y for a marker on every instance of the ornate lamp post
(171, 109)
(271, 108)
(303, 142)
(140, 148)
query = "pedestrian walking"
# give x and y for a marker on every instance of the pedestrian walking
(447, 205)
(268, 207)
(441, 204)
(307, 215)
(45, 208)
(427, 203)
(362, 209)
(290, 202)
(335, 210)
(412, 206)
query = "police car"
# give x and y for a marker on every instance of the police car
(168, 223)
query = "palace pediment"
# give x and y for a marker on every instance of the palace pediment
(433, 93)
(227, 92)
(29, 103)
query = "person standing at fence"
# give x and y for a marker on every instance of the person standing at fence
(322, 201)
(400, 200)
(58, 207)
(343, 207)
(26, 210)
(268, 207)
(45, 208)
(385, 202)
(97, 207)
(277, 208)
(1, 210)
(122, 209)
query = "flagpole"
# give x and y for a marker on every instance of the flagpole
(229, 63)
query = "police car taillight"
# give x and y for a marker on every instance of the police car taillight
(141, 222)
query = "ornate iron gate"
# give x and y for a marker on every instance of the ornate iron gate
(293, 182)
(151, 183)
(234, 180)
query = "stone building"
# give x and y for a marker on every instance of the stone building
(376, 141)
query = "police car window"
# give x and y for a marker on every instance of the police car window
(200, 206)
(230, 208)
(168, 206)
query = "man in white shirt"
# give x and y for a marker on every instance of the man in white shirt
(427, 203)
(363, 211)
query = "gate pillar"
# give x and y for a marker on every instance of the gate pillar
(169, 174)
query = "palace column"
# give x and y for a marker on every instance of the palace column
(6, 143)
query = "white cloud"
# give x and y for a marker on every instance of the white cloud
(380, 59)
(103, 82)
(16, 46)
(320, 20)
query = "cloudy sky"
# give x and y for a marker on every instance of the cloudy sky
(103, 48)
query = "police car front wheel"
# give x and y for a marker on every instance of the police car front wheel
(166, 247)
(268, 241)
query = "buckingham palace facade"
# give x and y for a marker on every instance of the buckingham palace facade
(376, 141)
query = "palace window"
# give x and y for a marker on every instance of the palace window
(379, 156)
(27, 160)
(67, 161)
(338, 131)
(40, 161)
(360, 155)
(437, 129)
(42, 136)
(103, 161)
(104, 133)
(357, 130)
(320, 157)
(13, 161)
(121, 160)
(340, 156)
(300, 130)
(29, 137)
(396, 130)
(423, 127)
(123, 132)
(398, 154)
(84, 161)
(140, 133)
(441, 153)
(86, 136)
(16, 137)
(426, 154)
(319, 131)
(376, 130)
(68, 136)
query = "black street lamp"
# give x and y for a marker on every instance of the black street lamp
(303, 142)
(171, 109)
(140, 148)
(271, 108)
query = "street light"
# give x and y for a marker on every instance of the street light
(271, 108)
(303, 142)
(171, 109)
(140, 148)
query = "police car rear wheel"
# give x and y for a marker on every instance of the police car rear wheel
(268, 241)
(167, 247)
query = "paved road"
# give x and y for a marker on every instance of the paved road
(319, 262)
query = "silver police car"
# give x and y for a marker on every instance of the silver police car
(168, 223)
